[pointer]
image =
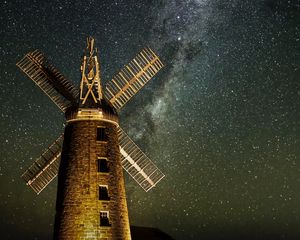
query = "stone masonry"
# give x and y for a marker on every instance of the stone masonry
(78, 206)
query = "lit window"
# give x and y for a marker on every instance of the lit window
(104, 218)
(101, 135)
(102, 165)
(103, 193)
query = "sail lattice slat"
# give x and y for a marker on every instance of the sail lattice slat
(132, 78)
(45, 168)
(60, 90)
(137, 164)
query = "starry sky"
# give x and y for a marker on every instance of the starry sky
(221, 120)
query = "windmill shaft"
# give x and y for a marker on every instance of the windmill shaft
(80, 204)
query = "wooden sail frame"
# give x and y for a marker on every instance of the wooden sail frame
(60, 90)
(45, 168)
(132, 78)
(137, 164)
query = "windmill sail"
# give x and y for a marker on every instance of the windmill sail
(45, 168)
(54, 84)
(137, 164)
(132, 78)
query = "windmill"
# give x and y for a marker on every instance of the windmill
(89, 156)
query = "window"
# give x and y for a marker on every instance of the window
(102, 165)
(103, 193)
(104, 218)
(101, 135)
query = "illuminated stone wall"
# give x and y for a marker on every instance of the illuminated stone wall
(78, 206)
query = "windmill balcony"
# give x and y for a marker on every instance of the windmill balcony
(92, 114)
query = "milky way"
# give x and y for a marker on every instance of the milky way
(221, 120)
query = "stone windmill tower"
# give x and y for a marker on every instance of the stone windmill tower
(88, 158)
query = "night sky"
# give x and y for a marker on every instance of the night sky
(221, 120)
